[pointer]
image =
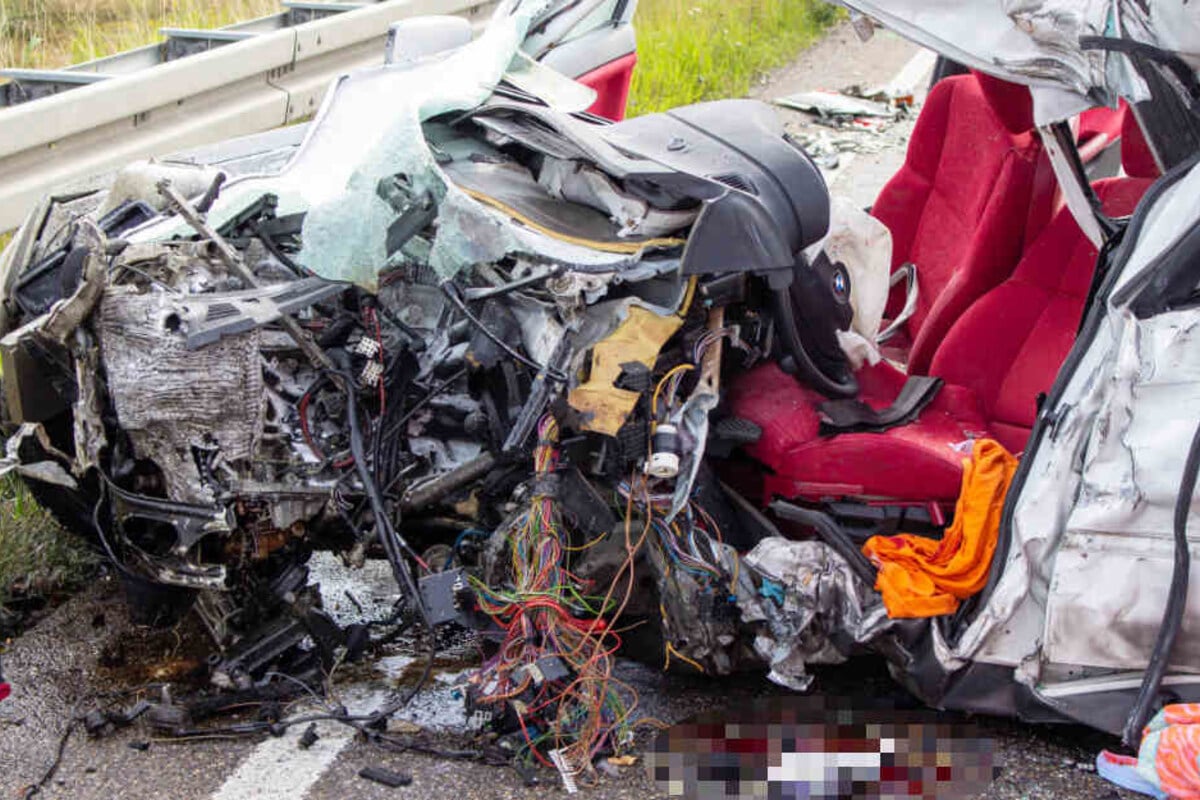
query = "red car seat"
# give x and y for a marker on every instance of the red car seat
(1098, 129)
(611, 82)
(1136, 158)
(996, 359)
(957, 208)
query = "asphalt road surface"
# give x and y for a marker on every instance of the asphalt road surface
(87, 646)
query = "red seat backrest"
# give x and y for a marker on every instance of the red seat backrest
(1009, 346)
(958, 207)
(1136, 158)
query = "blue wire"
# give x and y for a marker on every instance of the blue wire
(459, 540)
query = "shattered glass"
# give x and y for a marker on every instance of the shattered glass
(369, 129)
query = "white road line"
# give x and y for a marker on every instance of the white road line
(913, 75)
(277, 769)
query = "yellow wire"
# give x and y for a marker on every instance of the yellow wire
(661, 383)
(587, 545)
(671, 651)
(688, 297)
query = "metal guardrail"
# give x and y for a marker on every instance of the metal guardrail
(242, 79)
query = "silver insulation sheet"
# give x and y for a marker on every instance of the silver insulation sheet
(171, 400)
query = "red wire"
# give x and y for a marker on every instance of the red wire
(302, 409)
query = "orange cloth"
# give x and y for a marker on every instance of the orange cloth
(922, 577)
(1171, 749)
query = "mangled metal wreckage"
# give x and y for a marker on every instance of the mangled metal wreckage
(489, 337)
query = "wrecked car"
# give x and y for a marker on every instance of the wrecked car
(559, 370)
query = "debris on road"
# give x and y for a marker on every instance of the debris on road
(836, 104)
(309, 737)
(387, 777)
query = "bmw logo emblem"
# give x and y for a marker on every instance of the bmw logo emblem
(841, 283)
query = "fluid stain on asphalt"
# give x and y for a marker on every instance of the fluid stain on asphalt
(151, 655)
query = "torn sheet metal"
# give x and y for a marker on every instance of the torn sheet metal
(88, 430)
(578, 183)
(172, 400)
(511, 189)
(809, 608)
(67, 314)
(48, 471)
(1105, 468)
(636, 340)
(1037, 42)
(1119, 533)
(559, 91)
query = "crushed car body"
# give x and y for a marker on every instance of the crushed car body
(560, 371)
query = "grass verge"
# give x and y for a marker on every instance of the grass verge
(38, 559)
(56, 33)
(690, 50)
(694, 50)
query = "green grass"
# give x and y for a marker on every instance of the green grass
(38, 559)
(694, 50)
(55, 33)
(690, 50)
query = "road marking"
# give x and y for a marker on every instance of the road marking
(277, 769)
(914, 75)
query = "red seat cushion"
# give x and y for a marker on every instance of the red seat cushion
(957, 208)
(1136, 158)
(995, 360)
(1008, 347)
(1098, 128)
(918, 461)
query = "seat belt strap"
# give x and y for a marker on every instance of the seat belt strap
(855, 416)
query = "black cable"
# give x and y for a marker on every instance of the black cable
(396, 426)
(112, 556)
(35, 789)
(832, 534)
(452, 294)
(1176, 601)
(391, 539)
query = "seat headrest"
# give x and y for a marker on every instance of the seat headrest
(1136, 157)
(1010, 102)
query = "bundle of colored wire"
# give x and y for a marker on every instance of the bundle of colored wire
(546, 615)
(687, 540)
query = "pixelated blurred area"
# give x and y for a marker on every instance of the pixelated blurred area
(789, 748)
